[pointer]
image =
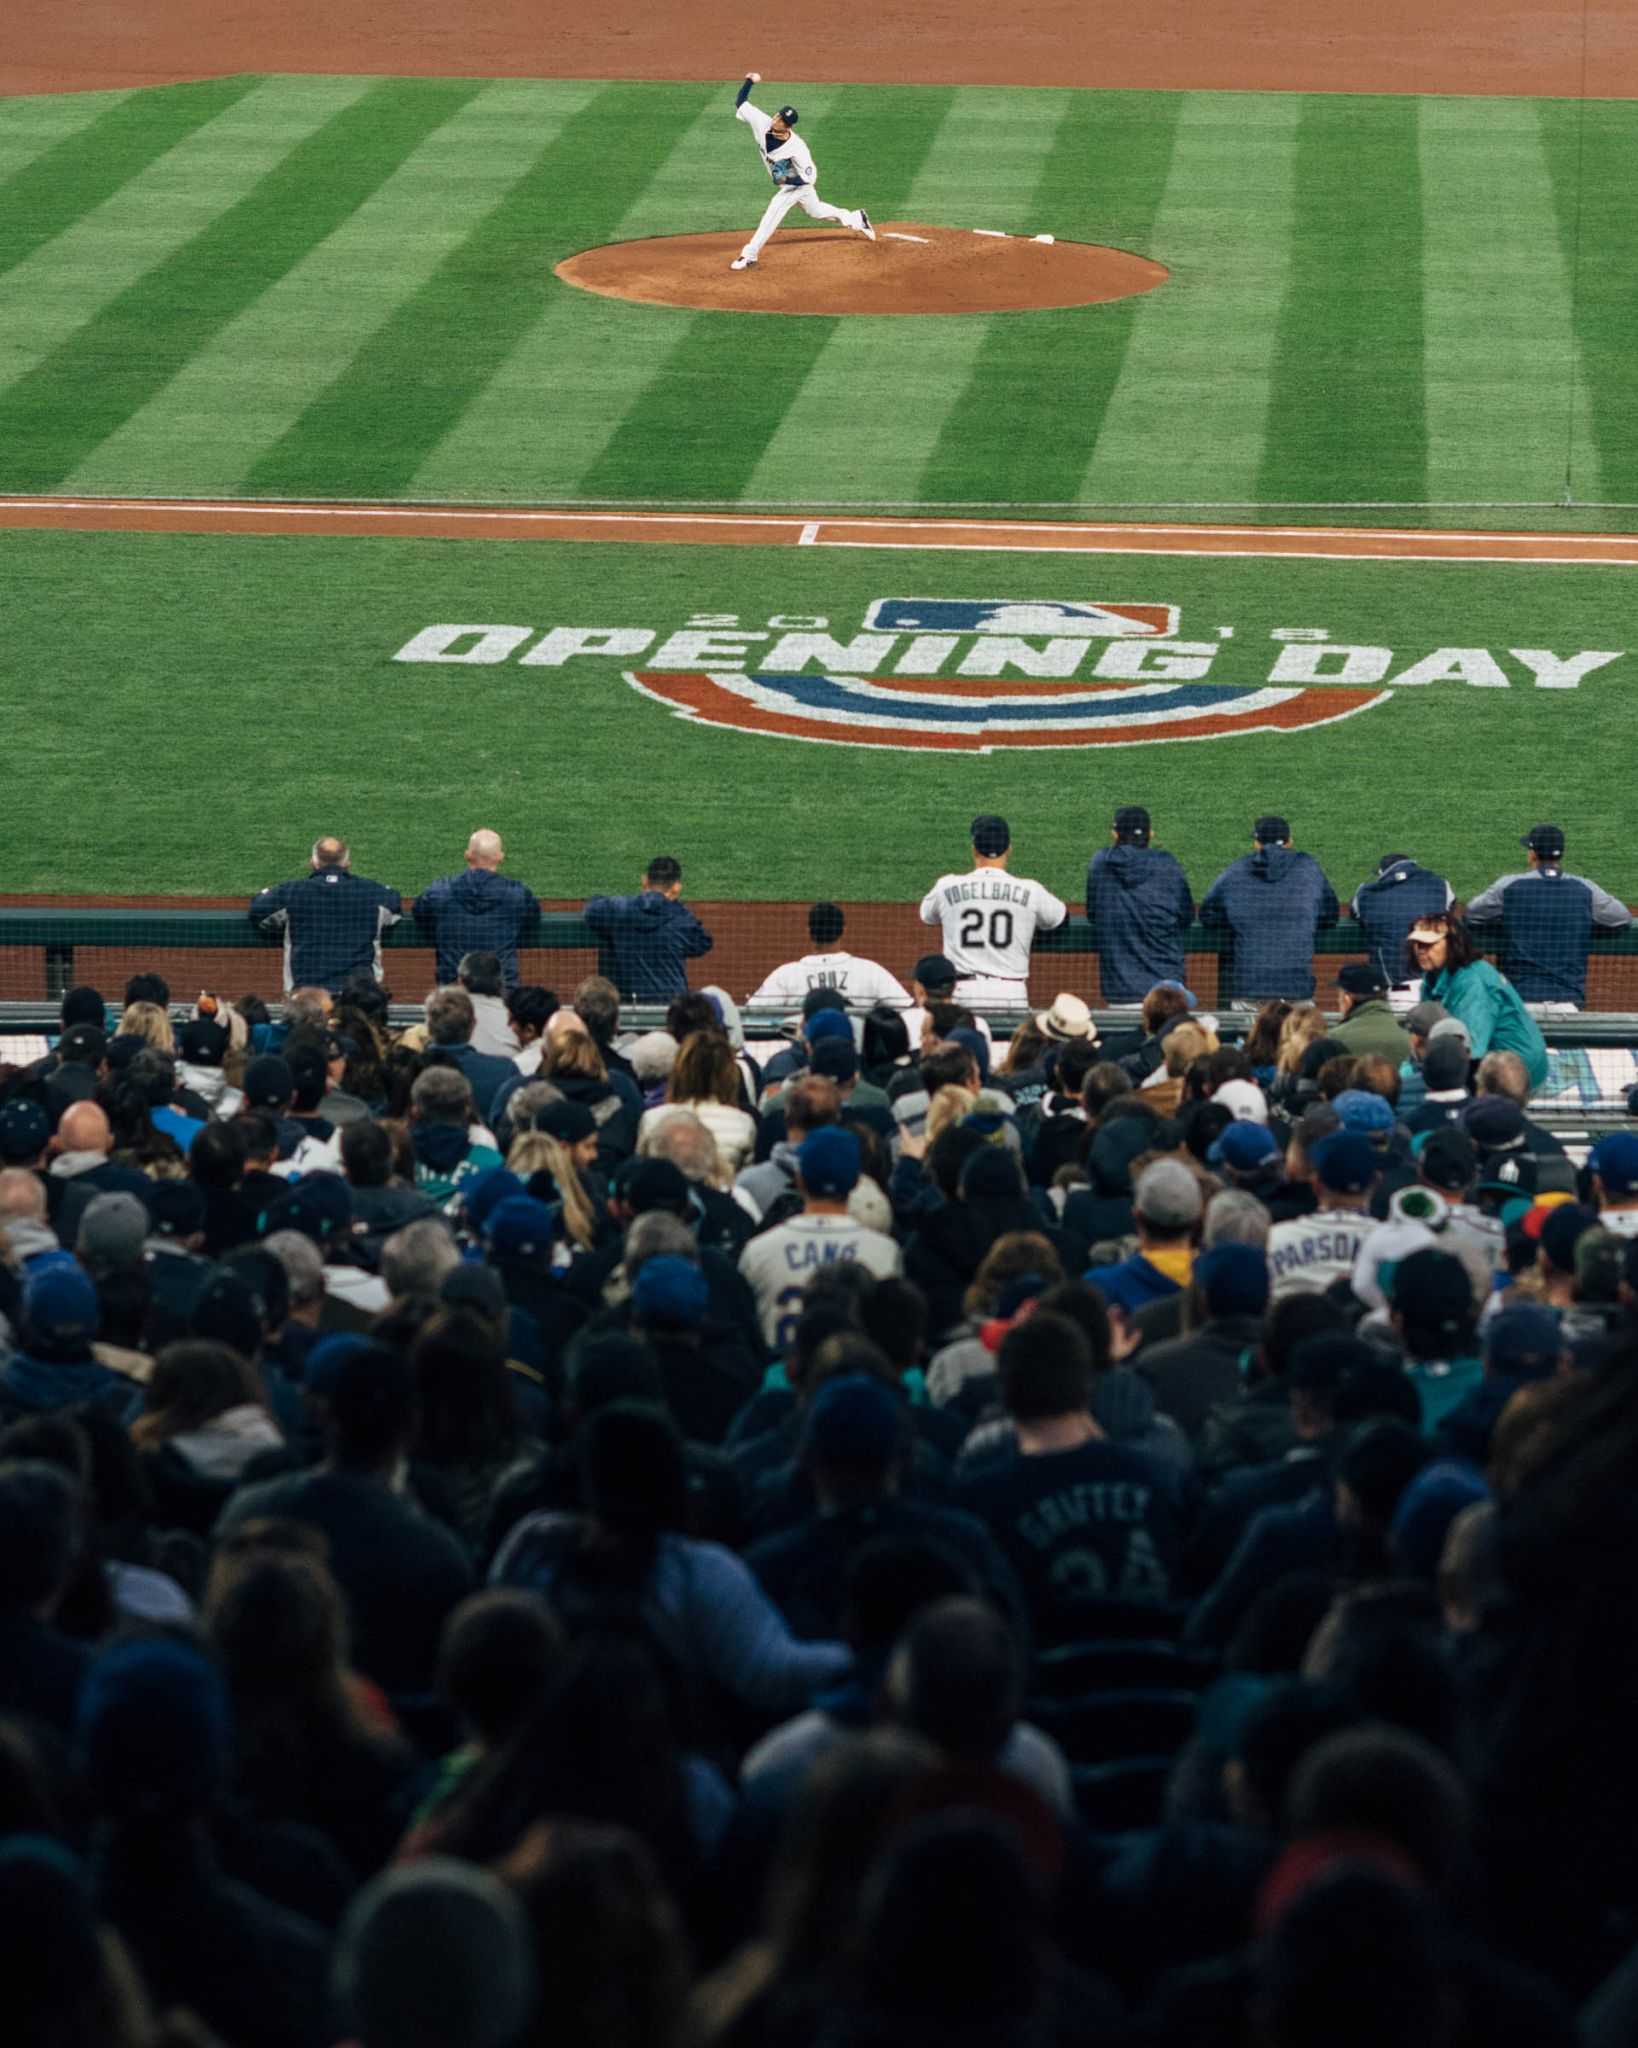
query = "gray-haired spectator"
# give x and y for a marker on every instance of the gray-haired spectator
(480, 975)
(416, 1259)
(451, 1021)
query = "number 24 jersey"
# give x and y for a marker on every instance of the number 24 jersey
(989, 919)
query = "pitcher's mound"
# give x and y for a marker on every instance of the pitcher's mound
(829, 270)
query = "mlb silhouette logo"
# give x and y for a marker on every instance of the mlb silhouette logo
(1029, 617)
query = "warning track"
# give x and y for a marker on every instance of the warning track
(730, 529)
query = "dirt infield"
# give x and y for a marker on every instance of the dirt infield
(1459, 46)
(750, 529)
(912, 267)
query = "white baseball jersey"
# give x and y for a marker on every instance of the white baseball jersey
(1306, 1254)
(989, 919)
(860, 981)
(779, 1264)
(788, 161)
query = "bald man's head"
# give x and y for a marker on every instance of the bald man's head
(331, 853)
(84, 1128)
(22, 1197)
(565, 1023)
(484, 850)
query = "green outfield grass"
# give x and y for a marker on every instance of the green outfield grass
(186, 714)
(344, 287)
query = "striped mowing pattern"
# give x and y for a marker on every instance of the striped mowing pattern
(344, 287)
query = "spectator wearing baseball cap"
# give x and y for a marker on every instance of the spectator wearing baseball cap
(55, 1365)
(1445, 1092)
(1545, 918)
(1273, 903)
(1139, 908)
(1388, 905)
(1166, 1211)
(1368, 1024)
(1435, 1318)
(778, 1263)
(1521, 1345)
(1310, 1253)
(1442, 951)
(708, 1373)
(1613, 1165)
(1189, 1375)
(1247, 1155)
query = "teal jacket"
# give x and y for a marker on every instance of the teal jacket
(1495, 1016)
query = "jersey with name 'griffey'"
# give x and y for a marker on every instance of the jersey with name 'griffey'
(989, 919)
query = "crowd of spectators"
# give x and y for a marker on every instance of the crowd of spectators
(513, 1532)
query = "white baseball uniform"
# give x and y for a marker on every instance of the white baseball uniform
(860, 981)
(790, 164)
(989, 919)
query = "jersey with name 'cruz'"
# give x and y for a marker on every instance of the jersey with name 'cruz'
(779, 1264)
(860, 981)
(989, 919)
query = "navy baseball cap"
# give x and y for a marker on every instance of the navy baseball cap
(932, 970)
(1523, 1342)
(1495, 1123)
(177, 1208)
(319, 1206)
(991, 835)
(1271, 830)
(1132, 824)
(1615, 1161)
(521, 1228)
(789, 116)
(834, 1059)
(569, 1122)
(1547, 840)
(60, 1306)
(1360, 1110)
(828, 1161)
(1345, 1162)
(24, 1131)
(855, 1420)
(825, 1024)
(202, 1043)
(485, 1191)
(1244, 1147)
(1362, 978)
(269, 1083)
(1232, 1279)
(1448, 1160)
(671, 1289)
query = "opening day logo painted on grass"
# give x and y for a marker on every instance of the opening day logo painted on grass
(974, 675)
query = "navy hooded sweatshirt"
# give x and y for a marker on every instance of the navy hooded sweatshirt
(477, 911)
(1389, 904)
(653, 939)
(1139, 907)
(1272, 903)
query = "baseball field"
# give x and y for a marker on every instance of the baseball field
(1389, 360)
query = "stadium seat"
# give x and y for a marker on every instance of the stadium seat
(1114, 1798)
(1152, 1665)
(1105, 1727)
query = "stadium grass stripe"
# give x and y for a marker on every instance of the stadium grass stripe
(51, 419)
(253, 379)
(372, 429)
(107, 147)
(1186, 416)
(1593, 199)
(1101, 181)
(1495, 306)
(701, 427)
(554, 405)
(1348, 415)
(33, 127)
(894, 381)
(70, 279)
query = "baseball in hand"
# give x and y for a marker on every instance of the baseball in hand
(754, 76)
